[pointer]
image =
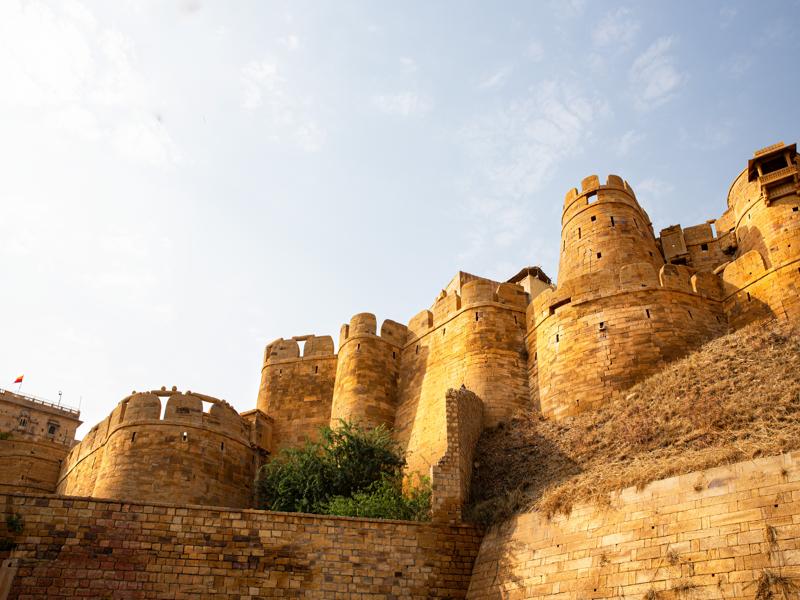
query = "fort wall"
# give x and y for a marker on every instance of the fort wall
(189, 456)
(710, 533)
(36, 437)
(365, 391)
(297, 391)
(83, 547)
(619, 312)
(474, 338)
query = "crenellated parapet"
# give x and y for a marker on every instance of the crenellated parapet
(165, 445)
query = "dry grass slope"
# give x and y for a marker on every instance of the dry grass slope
(736, 398)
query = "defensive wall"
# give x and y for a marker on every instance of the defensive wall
(188, 455)
(619, 312)
(84, 547)
(296, 391)
(36, 437)
(709, 534)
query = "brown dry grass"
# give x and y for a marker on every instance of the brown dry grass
(735, 399)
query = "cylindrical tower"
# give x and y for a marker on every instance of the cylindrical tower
(366, 374)
(297, 391)
(604, 228)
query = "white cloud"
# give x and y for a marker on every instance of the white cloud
(629, 139)
(515, 151)
(726, 16)
(408, 64)
(654, 77)
(617, 28)
(404, 104)
(496, 79)
(535, 51)
(653, 188)
(288, 114)
(81, 77)
(567, 9)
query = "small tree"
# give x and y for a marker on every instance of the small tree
(348, 467)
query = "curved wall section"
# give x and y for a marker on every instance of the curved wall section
(190, 456)
(366, 375)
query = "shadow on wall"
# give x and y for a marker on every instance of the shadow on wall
(534, 458)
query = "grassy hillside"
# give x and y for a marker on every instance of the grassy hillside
(736, 398)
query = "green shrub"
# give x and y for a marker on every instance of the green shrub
(385, 499)
(347, 464)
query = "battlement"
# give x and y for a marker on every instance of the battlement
(615, 190)
(289, 349)
(366, 324)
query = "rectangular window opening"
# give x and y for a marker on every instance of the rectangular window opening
(133, 436)
(222, 446)
(515, 319)
(594, 218)
(795, 208)
(417, 350)
(748, 296)
(316, 369)
(444, 331)
(613, 224)
(599, 255)
(647, 311)
(602, 325)
(394, 355)
(579, 233)
(704, 247)
(559, 304)
(185, 436)
(476, 316)
(557, 337)
(775, 164)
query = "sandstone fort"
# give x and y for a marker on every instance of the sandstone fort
(157, 500)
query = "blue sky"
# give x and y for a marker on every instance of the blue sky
(185, 181)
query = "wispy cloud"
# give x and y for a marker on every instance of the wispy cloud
(738, 65)
(288, 114)
(496, 79)
(617, 29)
(567, 9)
(727, 14)
(654, 77)
(404, 104)
(515, 151)
(628, 140)
(83, 78)
(534, 51)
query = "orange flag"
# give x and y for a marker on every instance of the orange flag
(19, 379)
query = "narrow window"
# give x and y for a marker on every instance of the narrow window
(280, 372)
(557, 337)
(613, 224)
(515, 319)
(444, 331)
(358, 347)
(594, 218)
(417, 350)
(602, 325)
(535, 356)
(647, 310)
(476, 316)
(690, 315)
(394, 355)
(704, 247)
(316, 369)
(185, 436)
(579, 233)
(222, 446)
(133, 436)
(51, 429)
(748, 296)
(599, 255)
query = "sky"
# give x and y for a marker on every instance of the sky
(184, 181)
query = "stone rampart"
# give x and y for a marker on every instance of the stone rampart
(189, 455)
(29, 465)
(83, 547)
(297, 391)
(708, 534)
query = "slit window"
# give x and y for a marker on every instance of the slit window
(704, 247)
(133, 436)
(222, 446)
(394, 355)
(515, 319)
(417, 350)
(613, 224)
(444, 331)
(358, 347)
(476, 316)
(647, 312)
(579, 233)
(185, 436)
(316, 369)
(748, 296)
(690, 315)
(557, 337)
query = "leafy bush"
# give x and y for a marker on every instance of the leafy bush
(350, 469)
(385, 499)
